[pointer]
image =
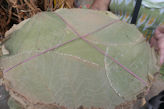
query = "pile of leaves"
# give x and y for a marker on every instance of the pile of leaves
(70, 60)
(15, 11)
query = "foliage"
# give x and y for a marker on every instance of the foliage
(47, 69)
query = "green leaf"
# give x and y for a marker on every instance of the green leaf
(76, 74)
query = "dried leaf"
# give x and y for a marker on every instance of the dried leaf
(76, 74)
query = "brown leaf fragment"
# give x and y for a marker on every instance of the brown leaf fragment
(1, 74)
(126, 105)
